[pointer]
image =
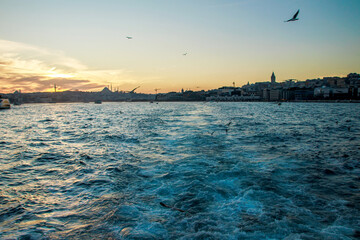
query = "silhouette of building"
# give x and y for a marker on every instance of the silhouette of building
(273, 78)
(327, 88)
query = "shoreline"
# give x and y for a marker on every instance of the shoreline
(294, 101)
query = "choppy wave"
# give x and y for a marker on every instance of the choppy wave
(220, 170)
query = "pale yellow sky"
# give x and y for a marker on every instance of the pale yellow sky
(82, 44)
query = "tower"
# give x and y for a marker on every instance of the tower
(273, 78)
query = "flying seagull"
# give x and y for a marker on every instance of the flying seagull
(129, 37)
(294, 17)
(184, 54)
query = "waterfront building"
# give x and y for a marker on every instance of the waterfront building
(289, 83)
(266, 94)
(275, 94)
(227, 91)
(303, 94)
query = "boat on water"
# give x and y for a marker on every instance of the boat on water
(4, 103)
(98, 102)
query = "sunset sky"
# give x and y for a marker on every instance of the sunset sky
(82, 44)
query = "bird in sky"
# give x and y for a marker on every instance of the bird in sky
(294, 17)
(129, 37)
(184, 54)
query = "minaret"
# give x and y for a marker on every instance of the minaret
(273, 78)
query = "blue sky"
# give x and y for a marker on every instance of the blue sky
(82, 43)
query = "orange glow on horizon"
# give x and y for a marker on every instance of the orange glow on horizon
(59, 75)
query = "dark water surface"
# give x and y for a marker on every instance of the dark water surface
(86, 171)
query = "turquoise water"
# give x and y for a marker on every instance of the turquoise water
(235, 170)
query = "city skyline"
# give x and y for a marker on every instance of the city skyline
(170, 45)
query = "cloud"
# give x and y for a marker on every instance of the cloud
(31, 68)
(38, 83)
(20, 53)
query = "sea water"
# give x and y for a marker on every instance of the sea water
(220, 170)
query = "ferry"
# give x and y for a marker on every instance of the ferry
(4, 103)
